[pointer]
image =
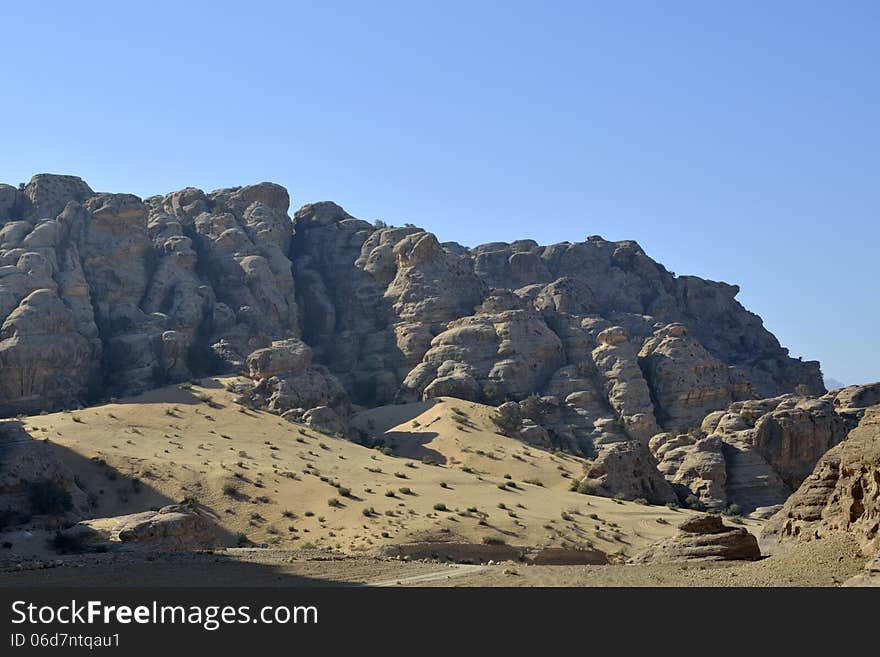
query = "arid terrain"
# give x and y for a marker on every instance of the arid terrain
(297, 507)
(199, 388)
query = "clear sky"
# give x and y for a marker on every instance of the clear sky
(738, 141)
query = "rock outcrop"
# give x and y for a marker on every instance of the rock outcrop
(842, 494)
(756, 453)
(703, 538)
(173, 527)
(106, 294)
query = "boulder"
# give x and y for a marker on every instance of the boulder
(171, 528)
(703, 538)
(324, 419)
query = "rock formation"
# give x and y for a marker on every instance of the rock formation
(703, 538)
(755, 453)
(842, 494)
(106, 294)
(173, 527)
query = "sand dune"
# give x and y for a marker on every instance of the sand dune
(449, 478)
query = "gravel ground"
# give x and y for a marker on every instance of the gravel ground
(823, 563)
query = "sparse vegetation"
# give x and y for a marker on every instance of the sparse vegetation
(508, 419)
(584, 487)
(694, 502)
(63, 543)
(49, 498)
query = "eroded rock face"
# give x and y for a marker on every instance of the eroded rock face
(842, 494)
(43, 358)
(173, 527)
(105, 294)
(627, 468)
(703, 538)
(686, 381)
(327, 308)
(694, 465)
(503, 352)
(754, 454)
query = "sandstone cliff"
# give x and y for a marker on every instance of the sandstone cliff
(105, 294)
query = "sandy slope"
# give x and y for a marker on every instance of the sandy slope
(273, 481)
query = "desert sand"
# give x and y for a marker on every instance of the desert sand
(295, 506)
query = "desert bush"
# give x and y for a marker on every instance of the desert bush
(535, 408)
(694, 502)
(508, 419)
(66, 544)
(48, 497)
(493, 540)
(440, 507)
(584, 487)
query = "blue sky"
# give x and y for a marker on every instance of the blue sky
(738, 141)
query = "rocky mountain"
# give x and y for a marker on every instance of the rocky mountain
(602, 347)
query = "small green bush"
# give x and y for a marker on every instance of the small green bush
(584, 487)
(694, 502)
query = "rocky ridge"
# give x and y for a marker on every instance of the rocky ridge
(107, 294)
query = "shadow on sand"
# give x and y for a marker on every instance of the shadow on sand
(98, 490)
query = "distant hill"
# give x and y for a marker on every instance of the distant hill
(832, 383)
